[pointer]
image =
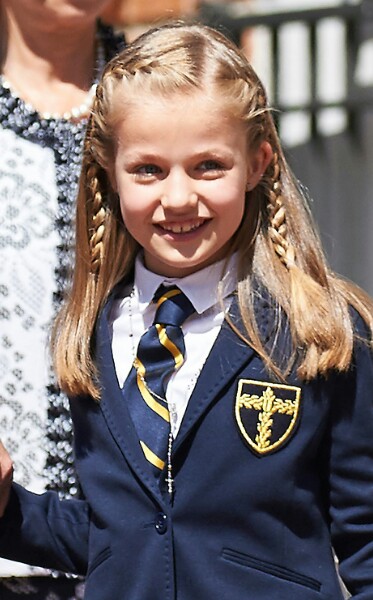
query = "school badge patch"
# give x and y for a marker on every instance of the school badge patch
(266, 413)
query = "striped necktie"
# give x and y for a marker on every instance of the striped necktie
(160, 352)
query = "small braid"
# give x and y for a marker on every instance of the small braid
(98, 215)
(277, 218)
(120, 71)
(117, 71)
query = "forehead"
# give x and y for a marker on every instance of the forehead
(190, 106)
(178, 126)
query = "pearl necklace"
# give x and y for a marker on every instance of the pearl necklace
(77, 112)
(172, 407)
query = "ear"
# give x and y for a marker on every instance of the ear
(257, 164)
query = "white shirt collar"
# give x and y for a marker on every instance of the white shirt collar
(202, 287)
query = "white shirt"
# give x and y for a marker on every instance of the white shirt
(134, 313)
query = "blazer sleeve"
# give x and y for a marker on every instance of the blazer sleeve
(44, 531)
(351, 472)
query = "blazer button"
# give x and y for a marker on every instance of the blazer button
(161, 523)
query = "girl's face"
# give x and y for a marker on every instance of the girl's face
(181, 171)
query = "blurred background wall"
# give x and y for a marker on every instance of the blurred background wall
(316, 60)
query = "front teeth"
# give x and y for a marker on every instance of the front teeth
(185, 228)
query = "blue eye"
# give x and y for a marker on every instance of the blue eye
(211, 165)
(148, 170)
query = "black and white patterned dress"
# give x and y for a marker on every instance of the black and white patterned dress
(40, 161)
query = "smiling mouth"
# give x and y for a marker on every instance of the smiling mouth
(182, 227)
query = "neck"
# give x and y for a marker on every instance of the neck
(51, 69)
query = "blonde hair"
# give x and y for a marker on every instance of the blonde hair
(277, 247)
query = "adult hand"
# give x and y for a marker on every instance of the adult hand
(6, 478)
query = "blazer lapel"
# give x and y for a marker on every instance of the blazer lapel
(115, 409)
(228, 356)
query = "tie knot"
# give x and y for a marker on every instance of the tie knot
(173, 306)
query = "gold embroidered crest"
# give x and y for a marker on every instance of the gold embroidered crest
(266, 413)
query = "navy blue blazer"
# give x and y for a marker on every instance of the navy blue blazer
(268, 476)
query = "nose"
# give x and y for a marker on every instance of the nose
(179, 191)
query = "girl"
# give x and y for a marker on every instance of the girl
(268, 463)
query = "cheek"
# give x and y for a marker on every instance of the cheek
(129, 215)
(230, 200)
(135, 209)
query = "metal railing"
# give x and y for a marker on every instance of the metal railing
(234, 20)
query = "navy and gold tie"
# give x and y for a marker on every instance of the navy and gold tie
(160, 351)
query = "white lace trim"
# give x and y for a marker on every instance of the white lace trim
(27, 261)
